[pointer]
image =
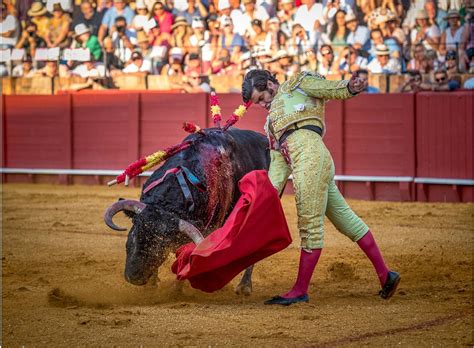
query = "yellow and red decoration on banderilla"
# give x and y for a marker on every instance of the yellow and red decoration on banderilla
(148, 162)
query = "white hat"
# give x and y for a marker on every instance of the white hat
(80, 29)
(223, 4)
(176, 52)
(197, 23)
(422, 14)
(287, 1)
(350, 17)
(140, 5)
(282, 54)
(382, 50)
(225, 20)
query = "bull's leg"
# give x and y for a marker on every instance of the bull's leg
(245, 285)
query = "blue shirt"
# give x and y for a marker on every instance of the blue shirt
(111, 14)
(237, 40)
(360, 36)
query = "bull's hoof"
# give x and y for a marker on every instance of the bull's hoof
(243, 289)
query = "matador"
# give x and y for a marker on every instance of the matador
(295, 127)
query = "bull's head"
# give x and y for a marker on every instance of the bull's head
(153, 232)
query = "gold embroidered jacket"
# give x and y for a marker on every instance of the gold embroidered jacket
(302, 98)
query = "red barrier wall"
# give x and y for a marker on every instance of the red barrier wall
(444, 146)
(427, 135)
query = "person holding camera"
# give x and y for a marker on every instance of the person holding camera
(109, 21)
(29, 39)
(123, 39)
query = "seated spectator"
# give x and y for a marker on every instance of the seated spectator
(123, 39)
(364, 74)
(141, 18)
(451, 38)
(138, 64)
(9, 28)
(413, 82)
(252, 12)
(308, 14)
(234, 12)
(195, 9)
(383, 64)
(431, 61)
(120, 9)
(276, 39)
(332, 7)
(89, 69)
(51, 69)
(299, 42)
(181, 34)
(311, 61)
(66, 5)
(30, 40)
(86, 40)
(359, 36)
(200, 40)
(58, 28)
(418, 62)
(25, 69)
(338, 32)
(435, 15)
(350, 61)
(257, 40)
(223, 64)
(443, 83)
(113, 63)
(37, 13)
(175, 66)
(159, 43)
(376, 38)
(89, 17)
(286, 16)
(450, 63)
(194, 83)
(425, 33)
(326, 64)
(162, 17)
(229, 40)
(394, 32)
(193, 63)
(470, 60)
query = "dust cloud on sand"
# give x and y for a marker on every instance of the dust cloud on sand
(63, 281)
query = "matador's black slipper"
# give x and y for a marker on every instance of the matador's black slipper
(391, 284)
(287, 301)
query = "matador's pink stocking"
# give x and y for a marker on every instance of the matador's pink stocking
(308, 261)
(369, 247)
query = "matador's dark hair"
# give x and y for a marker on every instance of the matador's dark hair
(257, 79)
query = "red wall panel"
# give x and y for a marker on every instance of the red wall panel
(37, 131)
(379, 135)
(105, 130)
(162, 116)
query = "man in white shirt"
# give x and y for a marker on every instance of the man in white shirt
(225, 9)
(359, 36)
(9, 29)
(252, 11)
(89, 69)
(308, 14)
(138, 64)
(383, 64)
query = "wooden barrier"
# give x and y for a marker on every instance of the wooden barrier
(38, 85)
(131, 82)
(163, 83)
(226, 84)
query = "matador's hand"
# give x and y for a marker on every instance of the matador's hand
(357, 84)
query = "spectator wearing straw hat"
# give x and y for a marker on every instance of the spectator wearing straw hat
(451, 37)
(88, 16)
(86, 40)
(58, 28)
(37, 13)
(383, 64)
(425, 33)
(180, 34)
(9, 28)
(359, 35)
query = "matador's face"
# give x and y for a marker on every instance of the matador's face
(265, 98)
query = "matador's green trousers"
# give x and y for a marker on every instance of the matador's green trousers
(316, 193)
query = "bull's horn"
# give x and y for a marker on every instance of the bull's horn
(126, 204)
(191, 231)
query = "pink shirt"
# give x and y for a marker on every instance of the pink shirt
(166, 22)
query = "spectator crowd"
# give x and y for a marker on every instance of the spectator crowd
(198, 38)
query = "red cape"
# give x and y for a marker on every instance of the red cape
(255, 229)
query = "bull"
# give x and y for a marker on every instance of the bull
(173, 212)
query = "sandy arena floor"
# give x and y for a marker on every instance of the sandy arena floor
(63, 284)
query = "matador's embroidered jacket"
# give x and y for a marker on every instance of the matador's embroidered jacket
(302, 98)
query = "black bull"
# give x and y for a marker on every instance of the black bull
(219, 160)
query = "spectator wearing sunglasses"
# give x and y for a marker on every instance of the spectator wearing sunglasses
(413, 82)
(443, 83)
